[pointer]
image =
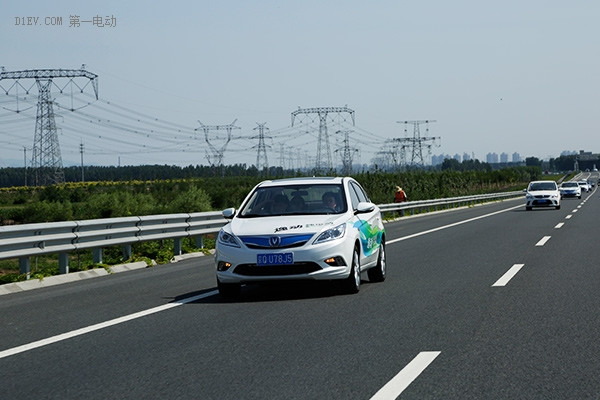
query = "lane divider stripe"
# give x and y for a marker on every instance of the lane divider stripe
(508, 275)
(448, 226)
(404, 378)
(102, 325)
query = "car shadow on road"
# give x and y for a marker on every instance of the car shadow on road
(265, 292)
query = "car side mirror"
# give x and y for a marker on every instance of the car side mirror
(228, 213)
(364, 207)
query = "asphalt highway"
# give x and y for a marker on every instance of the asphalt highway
(486, 302)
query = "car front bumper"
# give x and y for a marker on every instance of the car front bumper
(308, 262)
(570, 194)
(542, 202)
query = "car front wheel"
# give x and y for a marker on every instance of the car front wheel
(377, 273)
(351, 284)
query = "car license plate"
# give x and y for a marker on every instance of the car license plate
(275, 259)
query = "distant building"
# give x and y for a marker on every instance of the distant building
(516, 157)
(466, 157)
(439, 159)
(457, 157)
(503, 157)
(491, 158)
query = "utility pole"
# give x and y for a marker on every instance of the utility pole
(81, 151)
(417, 142)
(25, 163)
(323, 162)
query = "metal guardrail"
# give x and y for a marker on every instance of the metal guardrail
(30, 240)
(450, 202)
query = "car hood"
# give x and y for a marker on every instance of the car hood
(293, 224)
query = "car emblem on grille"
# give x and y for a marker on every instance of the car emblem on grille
(274, 241)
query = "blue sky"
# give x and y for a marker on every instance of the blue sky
(511, 76)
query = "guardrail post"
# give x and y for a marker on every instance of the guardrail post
(97, 255)
(25, 266)
(200, 242)
(63, 263)
(177, 246)
(127, 251)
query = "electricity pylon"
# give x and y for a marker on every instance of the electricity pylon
(46, 160)
(323, 148)
(417, 142)
(347, 153)
(262, 148)
(215, 158)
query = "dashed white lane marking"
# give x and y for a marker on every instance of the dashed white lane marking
(543, 241)
(101, 325)
(568, 216)
(393, 388)
(559, 225)
(508, 275)
(574, 211)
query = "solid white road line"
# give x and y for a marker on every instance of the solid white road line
(508, 275)
(101, 325)
(448, 226)
(543, 241)
(393, 388)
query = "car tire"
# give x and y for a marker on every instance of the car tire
(558, 207)
(229, 290)
(351, 284)
(377, 273)
(528, 208)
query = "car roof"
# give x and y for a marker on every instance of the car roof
(304, 181)
(541, 181)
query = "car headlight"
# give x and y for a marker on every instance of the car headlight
(228, 239)
(331, 234)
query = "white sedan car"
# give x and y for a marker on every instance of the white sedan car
(585, 186)
(570, 189)
(301, 229)
(542, 194)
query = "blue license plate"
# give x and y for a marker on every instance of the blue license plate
(275, 259)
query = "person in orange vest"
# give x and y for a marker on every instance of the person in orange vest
(400, 197)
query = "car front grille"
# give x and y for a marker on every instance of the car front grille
(284, 241)
(276, 270)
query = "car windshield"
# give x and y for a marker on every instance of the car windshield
(542, 186)
(295, 200)
(570, 184)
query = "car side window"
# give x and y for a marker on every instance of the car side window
(353, 197)
(357, 194)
